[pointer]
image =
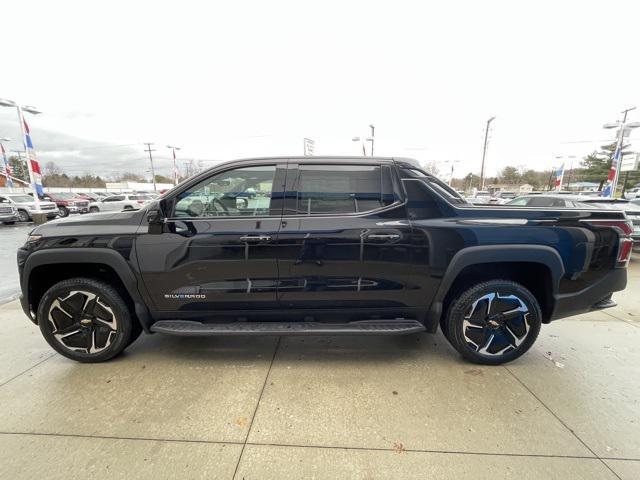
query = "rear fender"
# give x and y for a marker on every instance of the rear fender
(493, 254)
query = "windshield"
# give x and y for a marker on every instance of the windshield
(20, 198)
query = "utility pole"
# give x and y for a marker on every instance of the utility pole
(626, 175)
(484, 151)
(614, 173)
(373, 137)
(153, 173)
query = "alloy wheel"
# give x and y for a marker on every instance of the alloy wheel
(496, 324)
(82, 322)
(23, 216)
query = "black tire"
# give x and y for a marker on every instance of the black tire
(136, 331)
(477, 328)
(63, 212)
(23, 216)
(82, 322)
(93, 209)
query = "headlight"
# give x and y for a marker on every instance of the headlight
(33, 238)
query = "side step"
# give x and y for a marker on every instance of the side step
(602, 304)
(186, 328)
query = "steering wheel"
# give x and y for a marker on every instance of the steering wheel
(223, 208)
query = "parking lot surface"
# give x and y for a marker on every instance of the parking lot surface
(11, 237)
(327, 407)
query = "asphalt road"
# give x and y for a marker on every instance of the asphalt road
(11, 237)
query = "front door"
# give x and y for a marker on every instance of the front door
(344, 241)
(217, 248)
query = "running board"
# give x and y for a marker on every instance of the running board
(186, 328)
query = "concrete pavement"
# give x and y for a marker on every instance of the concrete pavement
(13, 236)
(327, 407)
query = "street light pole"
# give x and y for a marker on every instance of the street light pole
(153, 173)
(614, 172)
(373, 137)
(484, 151)
(175, 165)
(364, 150)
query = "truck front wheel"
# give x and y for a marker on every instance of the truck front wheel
(86, 320)
(493, 322)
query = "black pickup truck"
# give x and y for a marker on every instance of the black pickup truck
(320, 245)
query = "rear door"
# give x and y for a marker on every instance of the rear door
(343, 242)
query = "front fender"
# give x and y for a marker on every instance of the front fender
(90, 256)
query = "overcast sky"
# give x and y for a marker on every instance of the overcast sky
(245, 79)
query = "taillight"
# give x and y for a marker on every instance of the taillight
(141, 201)
(625, 244)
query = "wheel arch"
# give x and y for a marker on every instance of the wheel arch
(44, 268)
(25, 211)
(539, 268)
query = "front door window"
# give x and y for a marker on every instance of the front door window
(241, 192)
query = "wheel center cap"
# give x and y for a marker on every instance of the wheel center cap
(85, 322)
(493, 324)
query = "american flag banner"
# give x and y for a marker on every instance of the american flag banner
(7, 167)
(31, 158)
(559, 177)
(607, 191)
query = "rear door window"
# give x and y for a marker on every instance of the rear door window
(342, 189)
(546, 202)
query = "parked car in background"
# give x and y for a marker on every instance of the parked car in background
(633, 193)
(482, 197)
(122, 202)
(26, 207)
(67, 203)
(548, 200)
(92, 197)
(8, 213)
(503, 197)
(631, 209)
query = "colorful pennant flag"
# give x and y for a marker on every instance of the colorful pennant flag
(607, 191)
(7, 167)
(31, 158)
(559, 177)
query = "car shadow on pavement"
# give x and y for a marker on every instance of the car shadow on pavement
(343, 349)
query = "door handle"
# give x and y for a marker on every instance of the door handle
(381, 237)
(255, 238)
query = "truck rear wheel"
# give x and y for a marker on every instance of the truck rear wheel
(86, 320)
(493, 322)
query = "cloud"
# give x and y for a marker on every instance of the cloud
(77, 156)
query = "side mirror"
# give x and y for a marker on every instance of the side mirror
(155, 217)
